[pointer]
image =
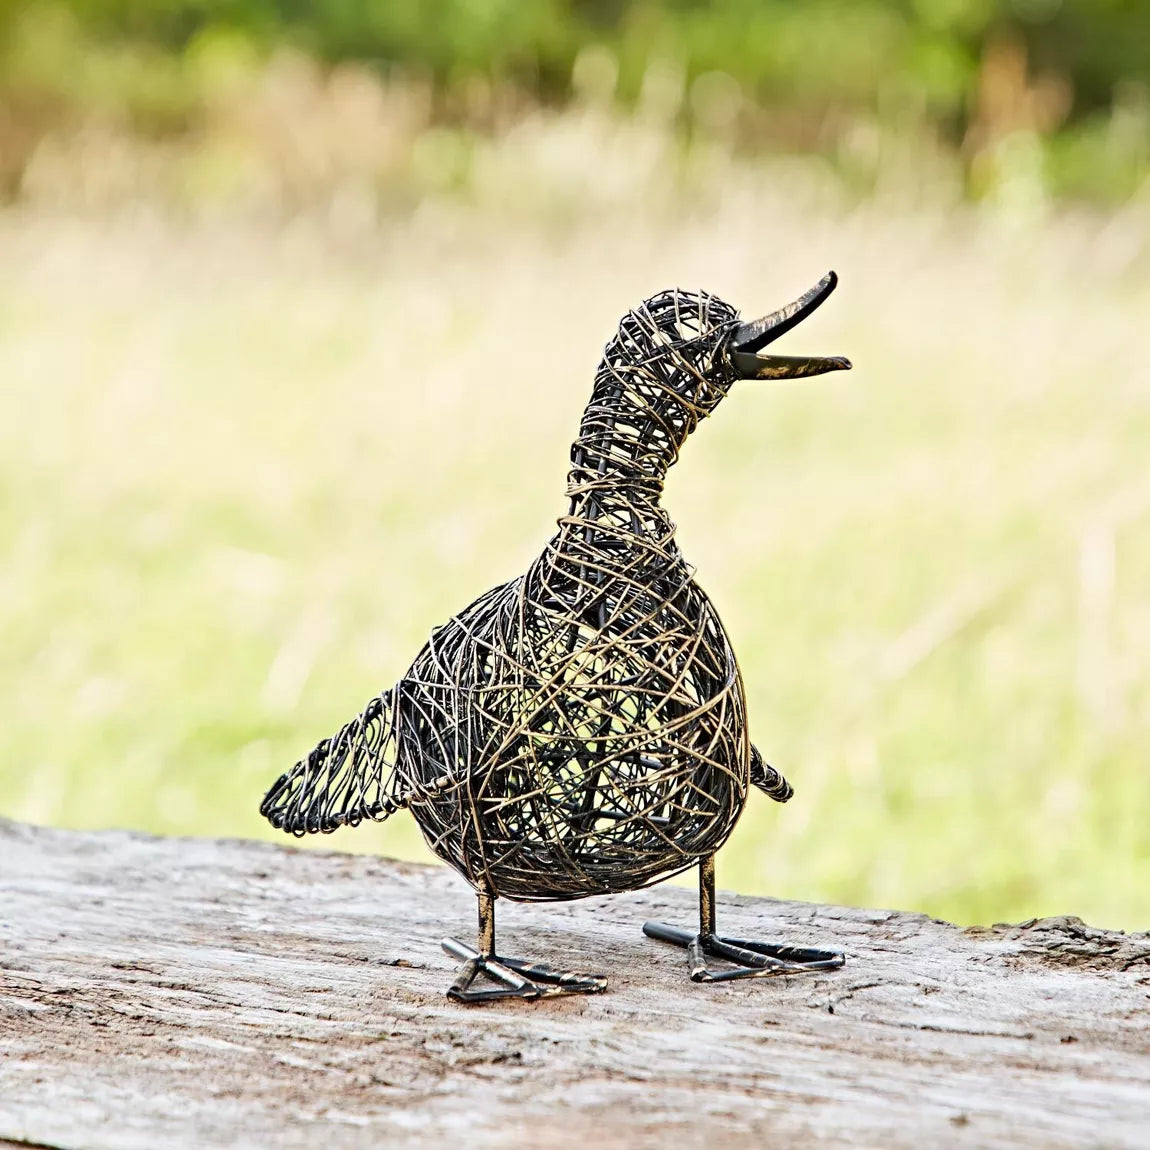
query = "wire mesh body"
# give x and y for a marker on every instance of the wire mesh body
(581, 729)
(583, 756)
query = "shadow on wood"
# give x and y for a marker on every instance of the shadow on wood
(184, 992)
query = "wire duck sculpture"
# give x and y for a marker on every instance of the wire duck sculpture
(582, 729)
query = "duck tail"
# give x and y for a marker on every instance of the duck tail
(346, 779)
(767, 779)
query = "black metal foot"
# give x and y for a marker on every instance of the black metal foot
(517, 978)
(752, 959)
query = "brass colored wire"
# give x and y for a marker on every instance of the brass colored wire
(581, 729)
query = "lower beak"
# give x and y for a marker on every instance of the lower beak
(745, 349)
(760, 366)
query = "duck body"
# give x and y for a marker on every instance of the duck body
(580, 730)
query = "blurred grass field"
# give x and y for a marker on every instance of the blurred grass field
(244, 470)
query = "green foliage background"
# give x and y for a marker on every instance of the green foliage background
(819, 51)
(815, 66)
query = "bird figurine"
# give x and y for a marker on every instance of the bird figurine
(582, 729)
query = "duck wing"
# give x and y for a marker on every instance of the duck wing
(346, 779)
(767, 779)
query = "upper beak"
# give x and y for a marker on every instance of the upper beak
(744, 348)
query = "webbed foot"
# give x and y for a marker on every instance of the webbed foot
(749, 959)
(513, 977)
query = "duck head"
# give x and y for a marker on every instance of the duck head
(673, 360)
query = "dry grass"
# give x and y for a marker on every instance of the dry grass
(934, 569)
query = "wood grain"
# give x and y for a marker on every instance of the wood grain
(194, 993)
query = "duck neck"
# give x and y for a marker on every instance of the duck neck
(594, 484)
(618, 464)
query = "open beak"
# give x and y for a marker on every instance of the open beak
(745, 347)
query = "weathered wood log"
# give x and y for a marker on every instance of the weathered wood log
(183, 992)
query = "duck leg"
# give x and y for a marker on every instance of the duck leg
(751, 959)
(514, 977)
